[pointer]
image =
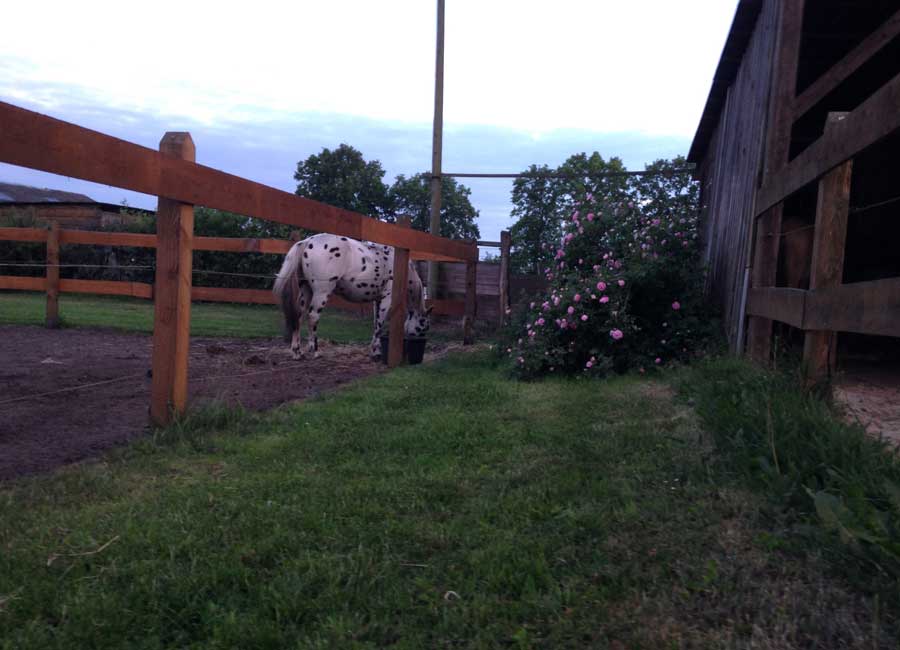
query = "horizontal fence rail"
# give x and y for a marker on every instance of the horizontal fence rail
(27, 137)
(860, 307)
(145, 290)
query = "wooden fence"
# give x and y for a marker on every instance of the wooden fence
(55, 238)
(828, 306)
(29, 139)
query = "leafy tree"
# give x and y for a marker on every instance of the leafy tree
(342, 177)
(536, 233)
(665, 192)
(412, 196)
(586, 176)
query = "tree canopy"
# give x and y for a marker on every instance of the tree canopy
(542, 205)
(412, 196)
(342, 178)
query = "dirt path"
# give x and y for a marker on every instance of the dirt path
(40, 433)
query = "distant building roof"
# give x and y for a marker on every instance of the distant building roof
(12, 193)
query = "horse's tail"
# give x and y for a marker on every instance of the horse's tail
(287, 288)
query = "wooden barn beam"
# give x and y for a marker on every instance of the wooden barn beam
(841, 70)
(778, 304)
(872, 121)
(172, 293)
(784, 86)
(862, 307)
(827, 268)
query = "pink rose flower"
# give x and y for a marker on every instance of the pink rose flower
(676, 305)
(601, 286)
(604, 300)
(616, 334)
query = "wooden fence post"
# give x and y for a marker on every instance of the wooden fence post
(471, 302)
(504, 275)
(763, 274)
(827, 267)
(53, 276)
(172, 294)
(397, 313)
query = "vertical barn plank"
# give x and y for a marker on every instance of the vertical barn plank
(397, 313)
(53, 276)
(504, 275)
(765, 232)
(826, 272)
(471, 303)
(172, 294)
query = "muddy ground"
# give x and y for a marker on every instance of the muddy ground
(44, 425)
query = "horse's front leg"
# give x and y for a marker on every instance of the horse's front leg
(380, 312)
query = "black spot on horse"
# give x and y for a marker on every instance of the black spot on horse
(334, 278)
(343, 239)
(337, 254)
(306, 255)
(331, 250)
(310, 245)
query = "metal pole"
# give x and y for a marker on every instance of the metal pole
(436, 145)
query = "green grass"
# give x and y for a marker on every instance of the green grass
(207, 319)
(435, 506)
(813, 468)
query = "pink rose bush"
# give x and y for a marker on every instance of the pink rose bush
(642, 261)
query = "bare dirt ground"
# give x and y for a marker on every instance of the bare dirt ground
(870, 395)
(42, 428)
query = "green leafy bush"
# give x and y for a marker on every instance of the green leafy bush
(625, 292)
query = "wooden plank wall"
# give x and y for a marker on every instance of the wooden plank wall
(452, 285)
(731, 173)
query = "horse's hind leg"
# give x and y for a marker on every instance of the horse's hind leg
(302, 301)
(316, 304)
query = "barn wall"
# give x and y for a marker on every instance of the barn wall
(730, 173)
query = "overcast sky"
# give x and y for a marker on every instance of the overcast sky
(262, 85)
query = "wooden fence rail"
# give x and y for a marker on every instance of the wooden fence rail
(145, 290)
(29, 139)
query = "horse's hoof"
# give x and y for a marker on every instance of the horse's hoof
(297, 354)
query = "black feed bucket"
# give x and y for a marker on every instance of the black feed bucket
(413, 350)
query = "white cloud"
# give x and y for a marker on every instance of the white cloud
(643, 65)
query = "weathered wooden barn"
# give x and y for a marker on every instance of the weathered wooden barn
(797, 154)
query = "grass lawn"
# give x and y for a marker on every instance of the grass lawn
(435, 506)
(207, 319)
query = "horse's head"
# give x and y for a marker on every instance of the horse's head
(418, 317)
(418, 323)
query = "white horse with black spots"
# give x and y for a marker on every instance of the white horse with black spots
(358, 271)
